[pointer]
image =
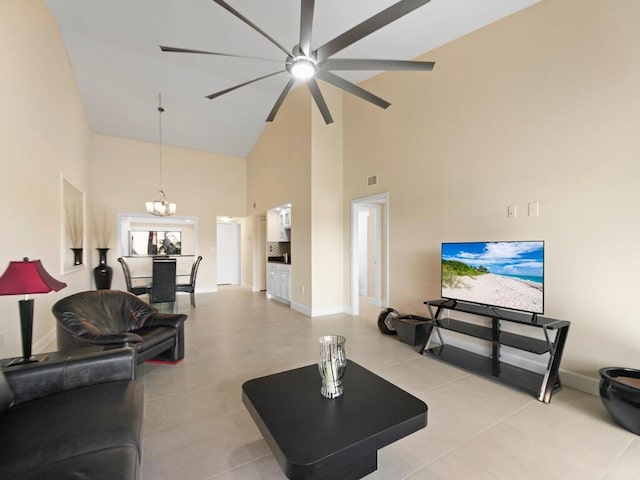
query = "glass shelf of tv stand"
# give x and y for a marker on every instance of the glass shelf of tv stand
(523, 318)
(541, 385)
(521, 342)
(514, 340)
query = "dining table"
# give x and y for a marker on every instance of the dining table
(141, 268)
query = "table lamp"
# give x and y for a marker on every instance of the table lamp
(23, 278)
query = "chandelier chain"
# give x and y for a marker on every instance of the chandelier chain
(160, 110)
(161, 207)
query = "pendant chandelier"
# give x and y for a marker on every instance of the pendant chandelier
(160, 208)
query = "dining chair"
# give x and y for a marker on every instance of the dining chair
(163, 281)
(191, 286)
(127, 278)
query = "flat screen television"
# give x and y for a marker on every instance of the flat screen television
(499, 274)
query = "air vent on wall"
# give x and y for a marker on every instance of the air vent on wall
(372, 180)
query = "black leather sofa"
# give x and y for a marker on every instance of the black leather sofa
(72, 417)
(112, 318)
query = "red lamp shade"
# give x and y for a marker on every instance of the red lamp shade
(27, 276)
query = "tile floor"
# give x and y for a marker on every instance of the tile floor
(196, 427)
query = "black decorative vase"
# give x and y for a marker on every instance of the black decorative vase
(103, 273)
(77, 256)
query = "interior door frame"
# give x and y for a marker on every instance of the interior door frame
(382, 232)
(363, 252)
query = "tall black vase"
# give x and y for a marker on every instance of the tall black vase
(77, 256)
(103, 273)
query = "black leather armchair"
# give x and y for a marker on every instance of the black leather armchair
(113, 318)
(72, 417)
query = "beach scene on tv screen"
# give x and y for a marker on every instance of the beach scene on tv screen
(503, 274)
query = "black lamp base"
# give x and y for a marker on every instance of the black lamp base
(26, 330)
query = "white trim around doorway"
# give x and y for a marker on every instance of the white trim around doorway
(382, 231)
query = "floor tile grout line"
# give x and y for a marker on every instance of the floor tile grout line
(250, 462)
(617, 459)
(473, 437)
(401, 357)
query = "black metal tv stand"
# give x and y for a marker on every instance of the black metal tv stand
(541, 385)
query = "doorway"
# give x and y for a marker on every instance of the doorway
(228, 252)
(369, 251)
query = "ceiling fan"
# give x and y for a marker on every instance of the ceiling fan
(306, 64)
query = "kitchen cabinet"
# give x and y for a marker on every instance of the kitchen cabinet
(284, 225)
(279, 225)
(273, 226)
(285, 217)
(279, 282)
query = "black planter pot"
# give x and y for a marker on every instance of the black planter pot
(621, 396)
(103, 273)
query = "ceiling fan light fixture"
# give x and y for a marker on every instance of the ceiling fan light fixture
(305, 64)
(302, 68)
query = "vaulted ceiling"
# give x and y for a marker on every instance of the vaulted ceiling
(114, 51)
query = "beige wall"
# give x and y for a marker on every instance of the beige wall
(254, 256)
(203, 185)
(279, 172)
(298, 160)
(43, 133)
(326, 207)
(541, 106)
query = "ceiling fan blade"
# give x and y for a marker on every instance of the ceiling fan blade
(283, 95)
(374, 65)
(370, 25)
(204, 52)
(306, 23)
(319, 99)
(233, 11)
(352, 88)
(230, 89)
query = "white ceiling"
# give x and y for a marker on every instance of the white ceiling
(113, 46)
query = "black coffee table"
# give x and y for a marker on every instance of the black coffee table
(313, 437)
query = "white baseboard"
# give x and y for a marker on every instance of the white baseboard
(251, 287)
(317, 312)
(298, 307)
(372, 301)
(580, 382)
(207, 290)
